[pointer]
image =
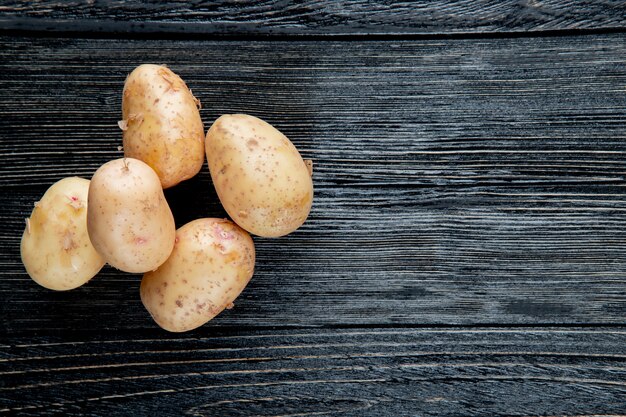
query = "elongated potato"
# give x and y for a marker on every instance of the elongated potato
(162, 125)
(56, 249)
(259, 175)
(212, 262)
(129, 221)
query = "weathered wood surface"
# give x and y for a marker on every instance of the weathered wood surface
(457, 182)
(313, 17)
(366, 372)
(466, 253)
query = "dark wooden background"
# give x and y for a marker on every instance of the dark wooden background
(466, 251)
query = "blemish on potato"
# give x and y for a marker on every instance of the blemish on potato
(221, 248)
(68, 242)
(123, 124)
(170, 78)
(252, 143)
(309, 166)
(75, 202)
(135, 117)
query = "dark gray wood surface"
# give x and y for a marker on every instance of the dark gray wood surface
(457, 182)
(313, 17)
(364, 372)
(466, 252)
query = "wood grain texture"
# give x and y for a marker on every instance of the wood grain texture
(375, 372)
(466, 250)
(313, 17)
(457, 181)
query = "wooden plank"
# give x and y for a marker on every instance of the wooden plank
(312, 17)
(457, 181)
(367, 372)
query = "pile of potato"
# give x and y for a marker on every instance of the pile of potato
(121, 216)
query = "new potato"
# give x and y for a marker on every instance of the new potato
(129, 221)
(212, 262)
(55, 248)
(259, 175)
(162, 124)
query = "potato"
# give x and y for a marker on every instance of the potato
(56, 249)
(260, 177)
(212, 262)
(162, 125)
(129, 221)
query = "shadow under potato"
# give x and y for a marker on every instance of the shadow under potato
(194, 199)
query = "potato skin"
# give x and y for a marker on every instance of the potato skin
(129, 221)
(55, 247)
(212, 262)
(259, 175)
(162, 125)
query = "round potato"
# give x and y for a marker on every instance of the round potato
(259, 175)
(55, 248)
(212, 262)
(162, 125)
(129, 221)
